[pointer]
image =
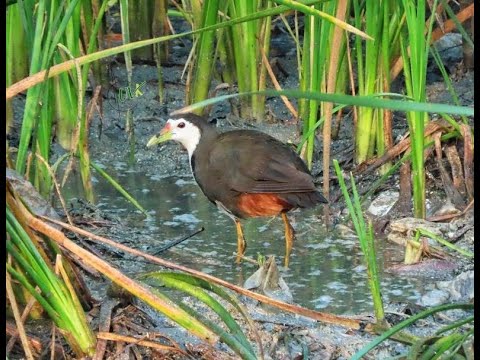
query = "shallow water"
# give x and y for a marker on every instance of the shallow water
(326, 271)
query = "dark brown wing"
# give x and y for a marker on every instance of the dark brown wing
(258, 163)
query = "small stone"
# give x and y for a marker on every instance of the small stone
(434, 298)
(186, 218)
(345, 232)
(461, 288)
(447, 208)
(383, 203)
(449, 46)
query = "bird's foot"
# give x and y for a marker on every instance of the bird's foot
(289, 238)
(241, 243)
(241, 246)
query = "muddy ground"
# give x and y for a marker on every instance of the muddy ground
(285, 336)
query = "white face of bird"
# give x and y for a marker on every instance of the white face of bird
(179, 130)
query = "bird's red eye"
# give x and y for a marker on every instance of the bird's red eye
(181, 125)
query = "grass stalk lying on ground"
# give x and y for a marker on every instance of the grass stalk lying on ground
(316, 315)
(324, 317)
(64, 310)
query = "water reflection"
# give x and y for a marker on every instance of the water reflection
(326, 272)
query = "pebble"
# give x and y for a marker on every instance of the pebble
(383, 203)
(434, 298)
(460, 289)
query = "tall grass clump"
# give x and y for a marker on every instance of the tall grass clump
(53, 34)
(204, 44)
(382, 19)
(56, 294)
(415, 58)
(44, 30)
(315, 69)
(237, 47)
(16, 54)
(247, 38)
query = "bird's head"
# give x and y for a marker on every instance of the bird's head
(185, 129)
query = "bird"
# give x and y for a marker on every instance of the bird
(245, 173)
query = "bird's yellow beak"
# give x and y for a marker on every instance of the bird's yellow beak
(164, 135)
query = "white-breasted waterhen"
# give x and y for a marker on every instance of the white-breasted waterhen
(246, 173)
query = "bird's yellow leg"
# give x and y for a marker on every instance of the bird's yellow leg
(289, 236)
(241, 244)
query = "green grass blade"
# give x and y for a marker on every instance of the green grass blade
(117, 186)
(455, 325)
(227, 338)
(448, 83)
(458, 24)
(348, 201)
(23, 280)
(366, 239)
(445, 243)
(190, 287)
(205, 61)
(363, 351)
(368, 101)
(314, 12)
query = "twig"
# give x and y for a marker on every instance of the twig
(57, 187)
(25, 313)
(176, 242)
(134, 341)
(34, 341)
(450, 216)
(18, 319)
(285, 100)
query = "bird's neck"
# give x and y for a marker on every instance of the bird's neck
(200, 155)
(191, 146)
(201, 147)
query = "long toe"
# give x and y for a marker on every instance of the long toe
(289, 237)
(241, 243)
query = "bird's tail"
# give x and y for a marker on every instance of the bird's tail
(305, 199)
